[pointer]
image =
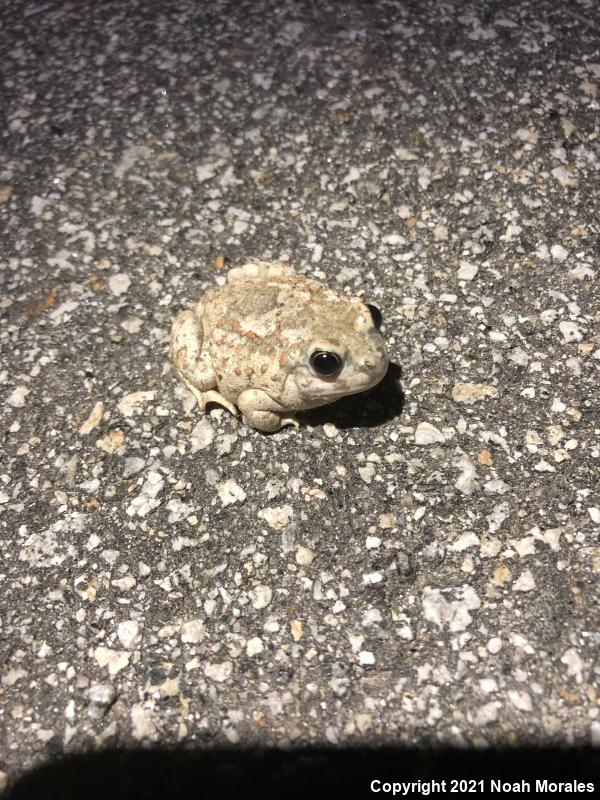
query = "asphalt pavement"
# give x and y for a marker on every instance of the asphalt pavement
(418, 565)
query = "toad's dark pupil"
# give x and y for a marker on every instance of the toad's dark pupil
(325, 363)
(375, 315)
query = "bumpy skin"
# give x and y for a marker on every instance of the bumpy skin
(247, 344)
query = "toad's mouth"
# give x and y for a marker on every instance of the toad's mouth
(320, 390)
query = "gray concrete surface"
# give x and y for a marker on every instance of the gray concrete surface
(409, 572)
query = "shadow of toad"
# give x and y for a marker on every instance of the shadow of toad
(365, 410)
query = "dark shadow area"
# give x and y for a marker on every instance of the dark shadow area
(154, 773)
(365, 410)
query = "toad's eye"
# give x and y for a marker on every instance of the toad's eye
(326, 364)
(376, 315)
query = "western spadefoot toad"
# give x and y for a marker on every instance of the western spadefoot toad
(271, 342)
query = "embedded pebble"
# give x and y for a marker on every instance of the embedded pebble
(230, 492)
(254, 646)
(128, 633)
(487, 713)
(450, 607)
(93, 420)
(225, 443)
(524, 583)
(18, 397)
(467, 271)
(202, 435)
(115, 660)
(147, 499)
(304, 556)
(132, 402)
(296, 629)
(111, 442)
(428, 434)
(219, 672)
(119, 284)
(102, 694)
(521, 700)
(142, 723)
(193, 631)
(261, 596)
(494, 645)
(133, 465)
(367, 473)
(277, 517)
(570, 331)
(558, 252)
(466, 483)
(473, 392)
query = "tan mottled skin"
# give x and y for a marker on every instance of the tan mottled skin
(247, 344)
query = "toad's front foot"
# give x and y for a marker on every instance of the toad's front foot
(211, 396)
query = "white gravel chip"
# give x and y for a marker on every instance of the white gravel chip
(277, 517)
(147, 499)
(573, 663)
(365, 657)
(466, 482)
(330, 430)
(119, 284)
(115, 660)
(367, 473)
(558, 252)
(428, 434)
(594, 514)
(500, 512)
(463, 542)
(487, 713)
(16, 398)
(570, 331)
(304, 556)
(202, 436)
(496, 486)
(132, 324)
(219, 672)
(467, 271)
(450, 607)
(470, 393)
(130, 403)
(230, 492)
(102, 694)
(261, 596)
(254, 646)
(133, 465)
(524, 583)
(142, 724)
(193, 631)
(372, 542)
(521, 700)
(94, 419)
(128, 633)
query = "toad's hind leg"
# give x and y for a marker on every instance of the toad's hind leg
(262, 412)
(192, 361)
